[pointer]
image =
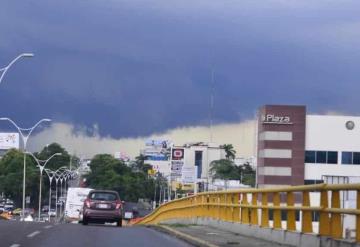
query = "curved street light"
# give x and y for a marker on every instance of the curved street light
(6, 68)
(61, 175)
(25, 138)
(57, 178)
(42, 167)
(51, 175)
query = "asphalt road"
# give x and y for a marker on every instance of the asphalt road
(32, 234)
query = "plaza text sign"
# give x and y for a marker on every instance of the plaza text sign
(273, 119)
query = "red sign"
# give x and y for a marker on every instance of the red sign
(177, 154)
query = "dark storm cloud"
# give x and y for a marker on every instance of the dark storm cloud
(138, 67)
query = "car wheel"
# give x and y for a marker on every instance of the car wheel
(84, 222)
(119, 223)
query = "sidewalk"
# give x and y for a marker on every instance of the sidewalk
(211, 237)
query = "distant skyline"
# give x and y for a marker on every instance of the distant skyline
(135, 68)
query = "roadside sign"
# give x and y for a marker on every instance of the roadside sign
(27, 199)
(151, 172)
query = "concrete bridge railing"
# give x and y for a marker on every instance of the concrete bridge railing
(322, 210)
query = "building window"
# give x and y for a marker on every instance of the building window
(346, 158)
(332, 157)
(356, 158)
(321, 157)
(350, 158)
(310, 157)
(313, 181)
(198, 162)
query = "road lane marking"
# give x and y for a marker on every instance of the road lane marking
(15, 245)
(47, 227)
(33, 234)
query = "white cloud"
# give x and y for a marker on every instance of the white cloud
(241, 135)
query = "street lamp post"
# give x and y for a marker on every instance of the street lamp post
(42, 167)
(61, 177)
(24, 139)
(51, 175)
(5, 69)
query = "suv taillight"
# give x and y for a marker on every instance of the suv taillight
(87, 203)
(118, 204)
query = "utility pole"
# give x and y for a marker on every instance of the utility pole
(211, 105)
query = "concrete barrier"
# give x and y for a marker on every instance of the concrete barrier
(274, 235)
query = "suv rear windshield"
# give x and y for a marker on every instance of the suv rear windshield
(103, 196)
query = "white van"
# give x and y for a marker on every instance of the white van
(74, 203)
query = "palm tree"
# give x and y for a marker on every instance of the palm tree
(229, 150)
(224, 169)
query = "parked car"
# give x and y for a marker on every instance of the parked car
(9, 207)
(29, 211)
(102, 206)
(45, 209)
(17, 211)
(52, 213)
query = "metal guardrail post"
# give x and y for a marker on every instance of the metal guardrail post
(277, 212)
(237, 209)
(228, 209)
(264, 210)
(244, 210)
(306, 222)
(222, 212)
(254, 211)
(324, 222)
(335, 221)
(291, 220)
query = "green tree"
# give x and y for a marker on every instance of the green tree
(11, 176)
(110, 173)
(229, 151)
(248, 174)
(57, 161)
(224, 169)
(139, 165)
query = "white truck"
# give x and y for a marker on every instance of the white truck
(74, 203)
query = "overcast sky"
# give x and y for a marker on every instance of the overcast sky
(137, 67)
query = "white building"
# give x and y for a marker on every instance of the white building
(190, 163)
(187, 164)
(332, 148)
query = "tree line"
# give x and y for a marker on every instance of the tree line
(130, 180)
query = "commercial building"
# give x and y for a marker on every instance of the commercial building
(186, 165)
(296, 148)
(194, 160)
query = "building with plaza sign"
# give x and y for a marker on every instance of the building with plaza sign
(296, 148)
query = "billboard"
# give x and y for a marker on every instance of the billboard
(188, 174)
(158, 143)
(9, 140)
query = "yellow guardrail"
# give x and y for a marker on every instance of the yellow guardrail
(253, 206)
